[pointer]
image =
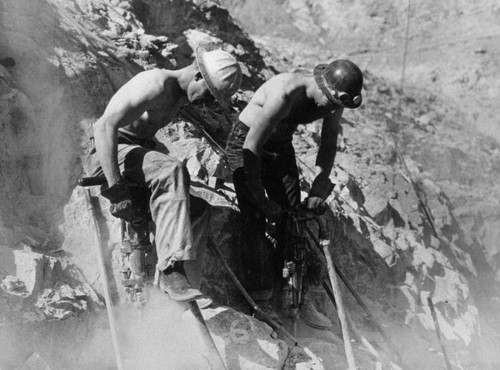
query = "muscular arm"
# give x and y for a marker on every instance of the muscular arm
(322, 186)
(126, 106)
(328, 145)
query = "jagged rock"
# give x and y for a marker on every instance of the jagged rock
(31, 236)
(35, 270)
(245, 342)
(62, 301)
(43, 282)
(328, 355)
(69, 88)
(196, 37)
(13, 285)
(202, 160)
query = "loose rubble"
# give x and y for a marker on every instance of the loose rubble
(394, 254)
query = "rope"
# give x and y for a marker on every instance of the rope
(399, 154)
(424, 206)
(406, 44)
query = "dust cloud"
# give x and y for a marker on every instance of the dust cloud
(160, 335)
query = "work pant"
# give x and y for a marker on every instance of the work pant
(281, 180)
(180, 218)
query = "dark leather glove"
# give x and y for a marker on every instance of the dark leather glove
(321, 187)
(271, 209)
(315, 204)
(121, 203)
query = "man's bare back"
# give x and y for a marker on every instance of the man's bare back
(141, 107)
(165, 98)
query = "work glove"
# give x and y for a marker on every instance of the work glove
(271, 209)
(314, 204)
(121, 202)
(252, 168)
(321, 189)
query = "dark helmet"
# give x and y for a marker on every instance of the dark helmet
(341, 81)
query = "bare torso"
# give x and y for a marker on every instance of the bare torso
(160, 110)
(300, 109)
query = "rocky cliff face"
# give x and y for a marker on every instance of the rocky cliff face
(403, 228)
(448, 48)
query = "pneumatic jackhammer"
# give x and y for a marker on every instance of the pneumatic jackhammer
(138, 261)
(299, 259)
(299, 256)
(138, 257)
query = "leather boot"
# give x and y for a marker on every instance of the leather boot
(312, 317)
(173, 281)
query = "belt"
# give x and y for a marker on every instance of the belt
(124, 138)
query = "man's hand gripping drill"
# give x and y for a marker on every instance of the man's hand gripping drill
(128, 202)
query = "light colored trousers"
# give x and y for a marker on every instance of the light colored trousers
(180, 216)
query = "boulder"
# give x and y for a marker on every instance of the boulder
(244, 342)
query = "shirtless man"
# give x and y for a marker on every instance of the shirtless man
(262, 158)
(123, 138)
